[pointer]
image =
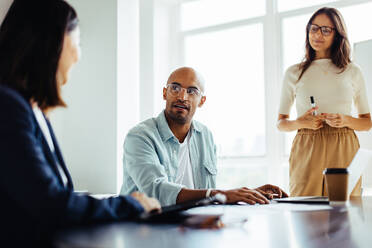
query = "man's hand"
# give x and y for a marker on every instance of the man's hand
(271, 191)
(244, 194)
(148, 203)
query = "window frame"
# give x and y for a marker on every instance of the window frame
(275, 160)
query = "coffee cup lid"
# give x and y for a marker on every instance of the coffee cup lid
(335, 171)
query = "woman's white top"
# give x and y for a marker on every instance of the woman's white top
(333, 92)
(44, 128)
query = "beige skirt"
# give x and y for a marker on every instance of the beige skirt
(313, 151)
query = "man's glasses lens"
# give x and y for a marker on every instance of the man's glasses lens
(193, 91)
(176, 89)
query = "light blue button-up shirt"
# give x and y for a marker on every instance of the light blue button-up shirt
(150, 160)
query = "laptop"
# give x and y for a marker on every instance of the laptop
(175, 213)
(361, 160)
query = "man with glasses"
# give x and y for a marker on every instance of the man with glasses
(173, 158)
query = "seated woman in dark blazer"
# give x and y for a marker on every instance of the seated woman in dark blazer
(39, 42)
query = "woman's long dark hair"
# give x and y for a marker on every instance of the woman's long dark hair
(31, 42)
(340, 49)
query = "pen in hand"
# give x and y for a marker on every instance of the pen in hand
(313, 105)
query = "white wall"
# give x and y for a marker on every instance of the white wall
(128, 93)
(166, 41)
(114, 86)
(158, 42)
(87, 130)
(105, 94)
(102, 94)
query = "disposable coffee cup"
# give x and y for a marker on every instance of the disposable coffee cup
(337, 180)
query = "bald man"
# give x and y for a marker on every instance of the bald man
(173, 158)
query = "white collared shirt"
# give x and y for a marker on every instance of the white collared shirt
(45, 130)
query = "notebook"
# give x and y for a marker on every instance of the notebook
(361, 160)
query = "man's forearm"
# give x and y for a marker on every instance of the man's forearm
(194, 194)
(190, 194)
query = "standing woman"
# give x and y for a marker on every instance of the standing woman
(325, 136)
(39, 43)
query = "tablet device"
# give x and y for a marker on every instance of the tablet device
(304, 199)
(175, 213)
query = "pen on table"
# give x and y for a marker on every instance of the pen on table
(313, 105)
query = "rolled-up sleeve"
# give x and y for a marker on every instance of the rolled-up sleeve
(142, 164)
(288, 92)
(360, 92)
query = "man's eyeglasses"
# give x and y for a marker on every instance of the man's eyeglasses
(326, 31)
(175, 90)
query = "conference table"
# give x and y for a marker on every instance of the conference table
(271, 225)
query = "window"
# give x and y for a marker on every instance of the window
(294, 36)
(357, 18)
(235, 95)
(242, 48)
(198, 14)
(285, 5)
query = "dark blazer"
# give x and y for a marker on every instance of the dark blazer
(34, 202)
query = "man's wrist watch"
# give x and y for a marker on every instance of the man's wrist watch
(208, 193)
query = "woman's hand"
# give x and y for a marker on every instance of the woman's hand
(310, 121)
(336, 120)
(148, 203)
(362, 123)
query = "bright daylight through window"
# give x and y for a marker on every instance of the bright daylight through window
(228, 41)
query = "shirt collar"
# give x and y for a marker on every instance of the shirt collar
(166, 132)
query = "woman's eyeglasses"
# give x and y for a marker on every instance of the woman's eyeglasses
(326, 31)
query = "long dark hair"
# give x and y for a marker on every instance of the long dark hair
(31, 42)
(340, 49)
